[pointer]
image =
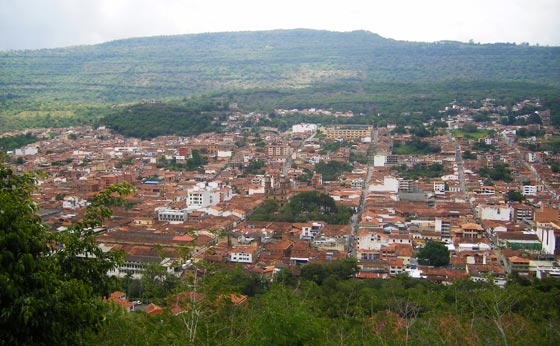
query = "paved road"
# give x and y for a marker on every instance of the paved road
(288, 163)
(459, 162)
(358, 216)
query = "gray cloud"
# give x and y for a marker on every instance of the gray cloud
(30, 24)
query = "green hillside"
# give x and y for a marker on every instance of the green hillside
(155, 67)
(353, 70)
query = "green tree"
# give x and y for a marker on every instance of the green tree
(284, 320)
(265, 211)
(333, 169)
(51, 285)
(467, 155)
(515, 196)
(500, 171)
(534, 118)
(157, 282)
(434, 254)
(339, 270)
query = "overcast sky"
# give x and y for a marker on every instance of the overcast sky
(29, 24)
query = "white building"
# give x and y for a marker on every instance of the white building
(530, 190)
(450, 177)
(374, 240)
(495, 212)
(203, 196)
(390, 184)
(303, 128)
(439, 186)
(172, 215)
(224, 153)
(243, 254)
(26, 151)
(549, 235)
(379, 160)
(309, 232)
(357, 183)
(73, 203)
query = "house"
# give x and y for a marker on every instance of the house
(519, 264)
(119, 298)
(243, 254)
(153, 309)
(470, 231)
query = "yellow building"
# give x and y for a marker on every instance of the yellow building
(348, 132)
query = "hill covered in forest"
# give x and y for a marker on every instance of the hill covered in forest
(177, 66)
(358, 71)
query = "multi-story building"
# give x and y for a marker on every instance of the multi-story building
(310, 231)
(530, 190)
(374, 240)
(523, 212)
(439, 186)
(243, 254)
(172, 215)
(349, 132)
(443, 226)
(278, 150)
(203, 196)
(470, 231)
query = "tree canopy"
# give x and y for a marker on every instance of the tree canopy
(303, 207)
(51, 284)
(434, 254)
(148, 120)
(333, 169)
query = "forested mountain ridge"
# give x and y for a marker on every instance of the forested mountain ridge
(184, 65)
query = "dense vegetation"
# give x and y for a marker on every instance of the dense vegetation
(51, 284)
(149, 120)
(192, 163)
(323, 306)
(254, 167)
(482, 146)
(14, 142)
(303, 207)
(434, 254)
(332, 170)
(419, 170)
(415, 146)
(156, 67)
(499, 171)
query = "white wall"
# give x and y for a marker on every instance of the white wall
(494, 212)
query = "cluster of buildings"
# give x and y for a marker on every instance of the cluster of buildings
(207, 210)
